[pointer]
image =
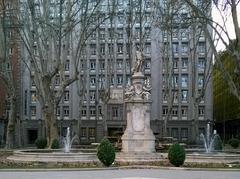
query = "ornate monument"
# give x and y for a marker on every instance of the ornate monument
(138, 136)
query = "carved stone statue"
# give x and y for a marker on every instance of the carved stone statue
(138, 61)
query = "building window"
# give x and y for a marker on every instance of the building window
(201, 111)
(92, 111)
(175, 97)
(101, 81)
(92, 81)
(110, 48)
(84, 111)
(115, 112)
(174, 111)
(93, 49)
(201, 47)
(175, 33)
(57, 80)
(33, 96)
(119, 64)
(66, 111)
(119, 79)
(184, 133)
(67, 65)
(184, 63)
(33, 111)
(175, 80)
(93, 35)
(112, 80)
(200, 81)
(147, 64)
(66, 96)
(175, 47)
(91, 132)
(165, 96)
(102, 49)
(175, 63)
(165, 111)
(184, 111)
(102, 35)
(184, 48)
(92, 65)
(148, 48)
(184, 95)
(184, 81)
(58, 111)
(201, 64)
(175, 132)
(83, 132)
(102, 64)
(120, 18)
(92, 95)
(120, 48)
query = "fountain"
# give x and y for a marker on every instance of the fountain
(210, 141)
(67, 141)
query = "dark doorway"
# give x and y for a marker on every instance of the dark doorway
(32, 135)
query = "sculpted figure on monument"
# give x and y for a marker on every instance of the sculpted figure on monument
(139, 58)
(146, 90)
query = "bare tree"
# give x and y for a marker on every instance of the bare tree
(9, 61)
(53, 31)
(227, 10)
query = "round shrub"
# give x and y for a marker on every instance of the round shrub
(217, 143)
(234, 142)
(176, 155)
(55, 144)
(106, 152)
(41, 143)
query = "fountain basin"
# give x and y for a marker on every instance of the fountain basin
(46, 155)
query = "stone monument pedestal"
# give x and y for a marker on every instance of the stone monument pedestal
(138, 136)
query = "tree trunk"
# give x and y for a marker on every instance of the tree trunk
(104, 119)
(51, 123)
(195, 124)
(11, 123)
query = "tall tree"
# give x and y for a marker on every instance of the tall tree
(53, 31)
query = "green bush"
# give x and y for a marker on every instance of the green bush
(41, 143)
(218, 143)
(176, 155)
(55, 144)
(234, 142)
(106, 152)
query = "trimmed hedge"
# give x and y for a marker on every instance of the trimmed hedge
(234, 142)
(106, 152)
(41, 143)
(176, 155)
(55, 144)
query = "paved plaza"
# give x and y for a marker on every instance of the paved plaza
(122, 174)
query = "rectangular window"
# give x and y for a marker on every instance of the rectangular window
(33, 111)
(93, 49)
(174, 111)
(67, 65)
(175, 132)
(120, 48)
(120, 33)
(119, 79)
(92, 81)
(110, 48)
(184, 111)
(102, 35)
(201, 111)
(184, 34)
(91, 132)
(83, 132)
(66, 96)
(201, 47)
(200, 81)
(57, 80)
(92, 111)
(58, 111)
(102, 49)
(66, 111)
(84, 111)
(184, 132)
(201, 64)
(147, 64)
(175, 63)
(175, 80)
(33, 96)
(92, 65)
(92, 95)
(175, 47)
(115, 112)
(165, 111)
(102, 64)
(184, 63)
(148, 48)
(119, 64)
(184, 48)
(184, 81)
(184, 95)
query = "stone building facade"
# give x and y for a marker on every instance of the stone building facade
(84, 114)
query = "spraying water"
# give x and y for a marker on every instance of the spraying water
(67, 141)
(208, 140)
